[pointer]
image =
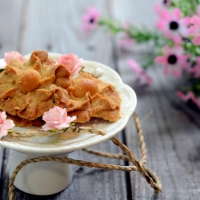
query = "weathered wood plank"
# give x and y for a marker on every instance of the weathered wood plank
(11, 13)
(55, 26)
(10, 19)
(171, 132)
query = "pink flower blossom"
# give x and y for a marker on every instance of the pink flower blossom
(126, 42)
(90, 20)
(189, 96)
(139, 71)
(9, 56)
(72, 62)
(160, 6)
(194, 30)
(5, 124)
(173, 26)
(14, 54)
(173, 60)
(56, 118)
(195, 70)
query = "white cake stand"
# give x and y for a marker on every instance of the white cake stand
(46, 178)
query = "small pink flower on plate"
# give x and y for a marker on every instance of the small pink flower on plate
(72, 62)
(194, 30)
(173, 60)
(8, 56)
(173, 26)
(140, 72)
(189, 96)
(56, 118)
(5, 124)
(160, 6)
(14, 54)
(90, 20)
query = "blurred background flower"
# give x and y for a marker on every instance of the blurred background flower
(175, 39)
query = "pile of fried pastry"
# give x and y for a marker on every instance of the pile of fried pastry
(29, 89)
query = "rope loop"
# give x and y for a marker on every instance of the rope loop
(147, 173)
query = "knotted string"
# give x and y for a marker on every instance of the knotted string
(147, 173)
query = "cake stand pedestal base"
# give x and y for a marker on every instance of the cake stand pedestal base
(42, 178)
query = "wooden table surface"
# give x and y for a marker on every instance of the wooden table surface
(172, 131)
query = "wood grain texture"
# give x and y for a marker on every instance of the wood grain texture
(172, 132)
(11, 13)
(56, 26)
(9, 34)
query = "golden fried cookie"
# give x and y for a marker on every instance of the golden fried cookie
(29, 89)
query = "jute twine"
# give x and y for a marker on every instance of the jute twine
(147, 173)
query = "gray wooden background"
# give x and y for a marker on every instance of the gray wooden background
(172, 132)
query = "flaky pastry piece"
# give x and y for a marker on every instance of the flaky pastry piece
(29, 89)
(104, 99)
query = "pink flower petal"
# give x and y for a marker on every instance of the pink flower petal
(160, 60)
(189, 96)
(177, 73)
(160, 6)
(14, 54)
(140, 72)
(195, 20)
(2, 64)
(196, 40)
(166, 50)
(198, 10)
(166, 15)
(5, 124)
(134, 66)
(90, 19)
(56, 118)
(161, 25)
(186, 21)
(166, 70)
(126, 42)
(177, 13)
(177, 39)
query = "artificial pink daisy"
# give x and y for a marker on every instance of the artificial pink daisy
(194, 30)
(195, 70)
(173, 60)
(173, 26)
(90, 20)
(144, 78)
(189, 96)
(160, 6)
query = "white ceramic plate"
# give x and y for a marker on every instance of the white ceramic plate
(57, 145)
